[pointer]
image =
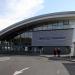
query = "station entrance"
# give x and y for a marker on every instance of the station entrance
(31, 50)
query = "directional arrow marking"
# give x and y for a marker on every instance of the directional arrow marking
(21, 71)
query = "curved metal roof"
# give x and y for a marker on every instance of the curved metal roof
(14, 29)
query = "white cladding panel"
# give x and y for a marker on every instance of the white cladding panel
(52, 38)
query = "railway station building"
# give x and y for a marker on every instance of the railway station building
(40, 35)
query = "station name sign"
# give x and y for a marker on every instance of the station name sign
(52, 38)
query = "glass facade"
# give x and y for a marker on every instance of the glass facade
(22, 43)
(57, 25)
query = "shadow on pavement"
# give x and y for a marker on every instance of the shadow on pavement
(70, 67)
(57, 58)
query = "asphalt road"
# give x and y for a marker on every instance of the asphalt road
(32, 65)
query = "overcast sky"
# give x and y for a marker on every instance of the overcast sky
(12, 11)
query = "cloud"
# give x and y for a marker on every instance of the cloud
(16, 10)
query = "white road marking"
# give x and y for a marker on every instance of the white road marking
(58, 72)
(21, 71)
(4, 58)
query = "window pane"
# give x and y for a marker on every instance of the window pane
(45, 27)
(60, 25)
(54, 26)
(66, 22)
(49, 26)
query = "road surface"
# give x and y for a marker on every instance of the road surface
(31, 65)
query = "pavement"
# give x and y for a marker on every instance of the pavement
(35, 65)
(62, 57)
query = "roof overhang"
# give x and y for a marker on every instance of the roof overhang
(26, 24)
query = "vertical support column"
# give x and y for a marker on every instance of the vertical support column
(1, 46)
(7, 48)
(72, 51)
(13, 45)
(10, 46)
(20, 43)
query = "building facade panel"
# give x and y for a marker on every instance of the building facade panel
(52, 38)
